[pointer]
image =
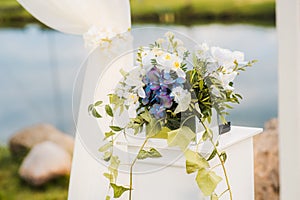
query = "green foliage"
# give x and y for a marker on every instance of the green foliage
(162, 134)
(207, 181)
(116, 128)
(92, 109)
(152, 153)
(109, 110)
(108, 134)
(118, 190)
(194, 161)
(212, 155)
(105, 147)
(181, 137)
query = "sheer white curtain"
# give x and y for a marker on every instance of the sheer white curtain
(77, 16)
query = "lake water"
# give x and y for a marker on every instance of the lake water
(38, 68)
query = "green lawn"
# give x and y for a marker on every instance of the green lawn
(206, 9)
(13, 188)
(171, 11)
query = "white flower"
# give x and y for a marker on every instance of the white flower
(202, 51)
(121, 90)
(225, 79)
(182, 98)
(157, 51)
(134, 79)
(170, 62)
(227, 58)
(147, 57)
(132, 102)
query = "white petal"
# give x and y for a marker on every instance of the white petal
(132, 111)
(141, 92)
(180, 73)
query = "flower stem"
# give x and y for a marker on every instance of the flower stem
(131, 168)
(221, 161)
(224, 169)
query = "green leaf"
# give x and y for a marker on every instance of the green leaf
(143, 154)
(105, 147)
(95, 113)
(146, 116)
(152, 128)
(113, 99)
(109, 110)
(123, 72)
(194, 161)
(152, 153)
(163, 133)
(107, 156)
(212, 155)
(108, 134)
(107, 198)
(116, 128)
(207, 181)
(98, 103)
(108, 176)
(191, 167)
(90, 108)
(223, 156)
(114, 165)
(207, 134)
(181, 137)
(118, 190)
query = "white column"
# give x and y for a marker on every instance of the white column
(288, 26)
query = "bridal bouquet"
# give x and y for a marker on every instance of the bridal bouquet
(166, 95)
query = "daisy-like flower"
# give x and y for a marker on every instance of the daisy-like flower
(182, 97)
(170, 62)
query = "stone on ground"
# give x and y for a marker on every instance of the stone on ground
(45, 162)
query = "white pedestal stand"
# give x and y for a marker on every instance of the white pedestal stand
(87, 181)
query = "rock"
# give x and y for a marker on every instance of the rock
(21, 142)
(266, 163)
(44, 162)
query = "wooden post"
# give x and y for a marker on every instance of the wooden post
(288, 26)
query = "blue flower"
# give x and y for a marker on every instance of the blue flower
(158, 111)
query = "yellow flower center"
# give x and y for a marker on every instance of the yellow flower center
(133, 97)
(168, 57)
(176, 64)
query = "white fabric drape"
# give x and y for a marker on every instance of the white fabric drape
(78, 16)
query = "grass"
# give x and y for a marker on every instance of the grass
(169, 11)
(202, 10)
(13, 188)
